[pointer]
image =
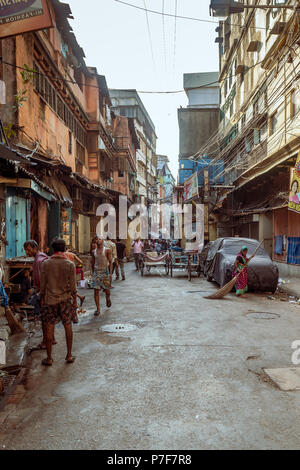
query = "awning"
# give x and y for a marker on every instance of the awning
(13, 155)
(60, 190)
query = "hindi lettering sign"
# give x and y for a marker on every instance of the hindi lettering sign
(22, 16)
(294, 198)
(191, 189)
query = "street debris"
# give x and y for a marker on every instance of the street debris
(252, 358)
(287, 379)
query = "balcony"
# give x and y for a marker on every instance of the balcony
(141, 180)
(141, 157)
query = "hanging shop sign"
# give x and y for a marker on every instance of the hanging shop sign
(191, 189)
(66, 225)
(22, 16)
(294, 197)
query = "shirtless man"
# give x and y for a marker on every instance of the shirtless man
(102, 273)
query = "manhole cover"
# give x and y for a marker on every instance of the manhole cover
(118, 328)
(263, 315)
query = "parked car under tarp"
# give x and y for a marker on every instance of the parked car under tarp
(262, 272)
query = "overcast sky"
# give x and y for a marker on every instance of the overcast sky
(115, 39)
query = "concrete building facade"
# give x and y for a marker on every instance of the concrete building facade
(127, 103)
(198, 122)
(259, 130)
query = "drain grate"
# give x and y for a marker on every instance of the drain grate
(263, 315)
(118, 328)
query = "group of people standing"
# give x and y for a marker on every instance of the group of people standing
(54, 292)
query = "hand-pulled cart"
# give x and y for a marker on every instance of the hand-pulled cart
(186, 262)
(149, 260)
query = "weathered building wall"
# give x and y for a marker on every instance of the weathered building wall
(196, 126)
(38, 119)
(8, 75)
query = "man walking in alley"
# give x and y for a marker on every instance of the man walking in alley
(137, 250)
(110, 244)
(102, 273)
(58, 297)
(121, 253)
(32, 251)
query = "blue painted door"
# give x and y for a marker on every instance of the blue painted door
(16, 224)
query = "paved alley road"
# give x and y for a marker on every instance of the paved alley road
(188, 377)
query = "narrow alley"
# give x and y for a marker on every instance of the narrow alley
(179, 372)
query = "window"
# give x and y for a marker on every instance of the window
(230, 77)
(70, 142)
(80, 153)
(42, 111)
(47, 91)
(121, 174)
(295, 103)
(273, 123)
(248, 145)
(256, 136)
(227, 42)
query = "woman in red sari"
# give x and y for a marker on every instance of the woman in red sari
(240, 266)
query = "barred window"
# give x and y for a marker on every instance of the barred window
(47, 91)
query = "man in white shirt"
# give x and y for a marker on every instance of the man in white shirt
(138, 247)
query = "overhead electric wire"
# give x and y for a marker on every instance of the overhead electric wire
(175, 36)
(229, 154)
(149, 34)
(155, 12)
(164, 33)
(73, 82)
(220, 134)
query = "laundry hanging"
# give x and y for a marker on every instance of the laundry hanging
(293, 250)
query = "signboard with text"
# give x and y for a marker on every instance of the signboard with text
(294, 196)
(22, 16)
(191, 188)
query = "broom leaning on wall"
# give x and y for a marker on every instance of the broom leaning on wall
(220, 294)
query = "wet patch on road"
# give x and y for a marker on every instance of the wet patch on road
(106, 339)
